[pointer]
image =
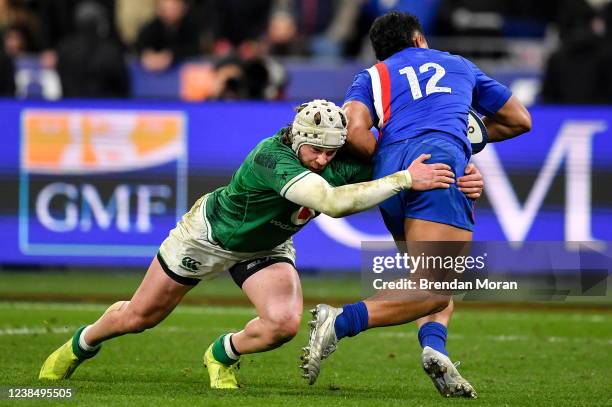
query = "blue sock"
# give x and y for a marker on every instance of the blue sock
(433, 334)
(354, 319)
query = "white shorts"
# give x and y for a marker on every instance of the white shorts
(189, 254)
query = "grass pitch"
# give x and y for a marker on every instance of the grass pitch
(554, 357)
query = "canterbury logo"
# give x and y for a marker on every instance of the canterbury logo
(190, 264)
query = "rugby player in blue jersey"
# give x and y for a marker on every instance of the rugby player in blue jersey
(418, 98)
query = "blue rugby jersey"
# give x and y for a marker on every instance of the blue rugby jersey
(419, 90)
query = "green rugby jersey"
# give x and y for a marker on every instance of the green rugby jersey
(250, 214)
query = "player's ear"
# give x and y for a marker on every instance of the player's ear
(419, 40)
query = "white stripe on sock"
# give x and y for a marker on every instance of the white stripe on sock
(228, 347)
(84, 344)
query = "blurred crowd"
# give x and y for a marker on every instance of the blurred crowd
(88, 41)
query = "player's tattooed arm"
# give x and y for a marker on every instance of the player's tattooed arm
(314, 192)
(360, 140)
(513, 119)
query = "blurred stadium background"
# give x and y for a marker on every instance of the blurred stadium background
(117, 115)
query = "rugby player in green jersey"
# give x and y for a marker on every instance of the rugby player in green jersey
(246, 228)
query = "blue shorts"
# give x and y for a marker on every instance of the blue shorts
(449, 206)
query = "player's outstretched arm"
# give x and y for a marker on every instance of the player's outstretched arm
(513, 119)
(360, 140)
(314, 192)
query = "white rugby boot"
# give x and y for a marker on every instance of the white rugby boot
(444, 375)
(322, 342)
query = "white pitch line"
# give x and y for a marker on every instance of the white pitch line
(506, 338)
(565, 316)
(237, 310)
(38, 330)
(78, 307)
(45, 330)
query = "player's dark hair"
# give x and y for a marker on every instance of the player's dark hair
(392, 32)
(286, 137)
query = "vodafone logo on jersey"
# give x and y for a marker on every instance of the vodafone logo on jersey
(302, 216)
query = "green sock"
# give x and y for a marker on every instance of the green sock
(219, 352)
(77, 350)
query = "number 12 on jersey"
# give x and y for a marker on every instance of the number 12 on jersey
(431, 87)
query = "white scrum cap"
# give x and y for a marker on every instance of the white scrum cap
(319, 123)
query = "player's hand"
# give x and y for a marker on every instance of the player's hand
(430, 176)
(471, 183)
